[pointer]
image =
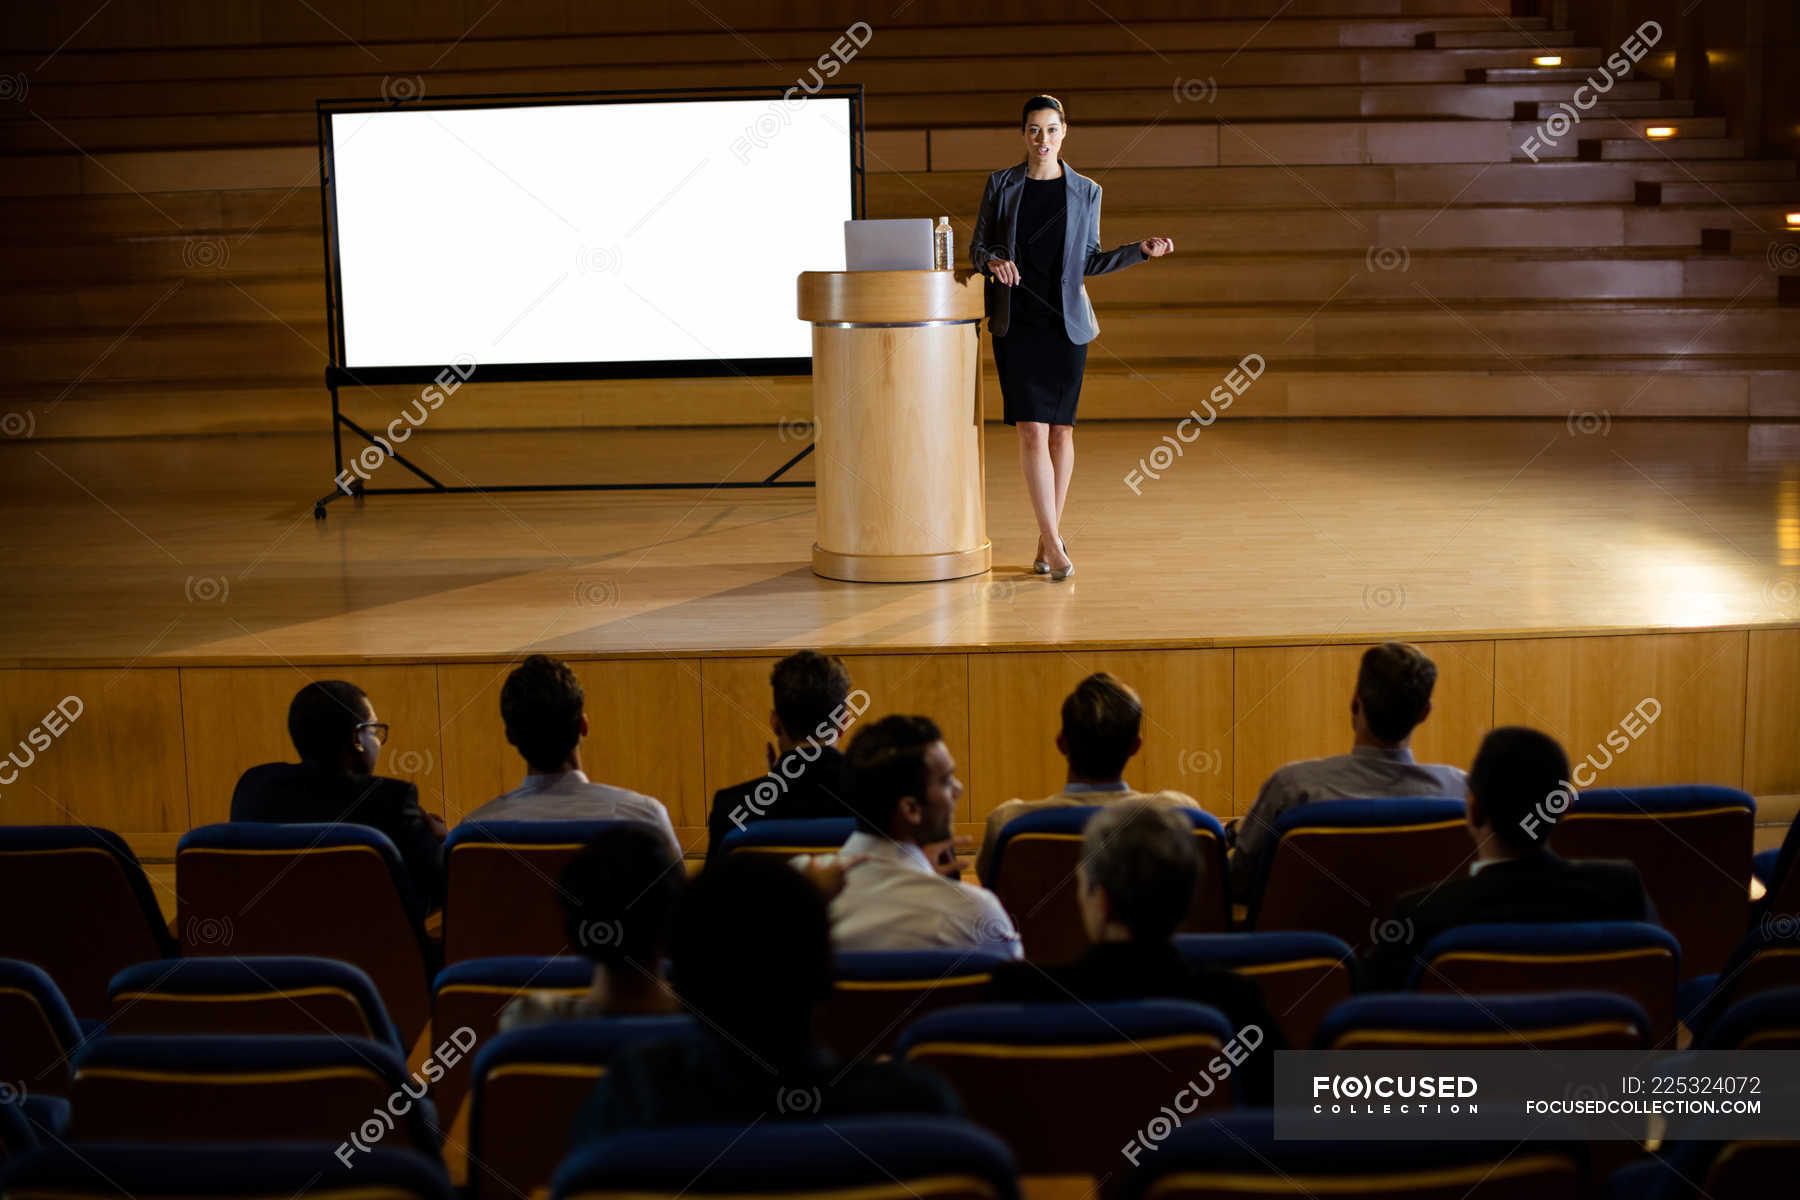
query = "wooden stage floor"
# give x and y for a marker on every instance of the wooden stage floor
(204, 550)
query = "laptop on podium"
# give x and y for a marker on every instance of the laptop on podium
(903, 245)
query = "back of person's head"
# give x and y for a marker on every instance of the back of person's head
(541, 705)
(810, 690)
(1101, 720)
(1394, 686)
(1520, 782)
(322, 719)
(886, 763)
(619, 897)
(751, 952)
(1144, 858)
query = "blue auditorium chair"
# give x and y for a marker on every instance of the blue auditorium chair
(39, 1034)
(1769, 1020)
(1767, 957)
(249, 995)
(1776, 869)
(1033, 873)
(1410, 1021)
(1049, 1078)
(936, 1157)
(265, 1087)
(1338, 866)
(500, 893)
(74, 900)
(1236, 1155)
(1633, 958)
(1691, 846)
(1301, 974)
(812, 835)
(267, 1171)
(876, 992)
(528, 1085)
(319, 890)
(1711, 1171)
(470, 995)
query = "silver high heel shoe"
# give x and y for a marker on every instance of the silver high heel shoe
(1061, 573)
(1040, 566)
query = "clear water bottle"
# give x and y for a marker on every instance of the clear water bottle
(942, 252)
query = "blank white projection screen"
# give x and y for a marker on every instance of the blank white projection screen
(586, 233)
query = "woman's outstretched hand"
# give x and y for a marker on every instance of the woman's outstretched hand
(1004, 270)
(1156, 247)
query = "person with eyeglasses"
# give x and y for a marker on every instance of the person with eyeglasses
(333, 726)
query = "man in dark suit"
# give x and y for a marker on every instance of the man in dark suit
(813, 704)
(751, 958)
(1517, 788)
(1137, 875)
(333, 726)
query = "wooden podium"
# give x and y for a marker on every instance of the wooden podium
(897, 425)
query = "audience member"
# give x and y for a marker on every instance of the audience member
(1517, 787)
(752, 961)
(543, 707)
(903, 792)
(1138, 873)
(618, 898)
(1101, 720)
(806, 768)
(333, 727)
(1391, 699)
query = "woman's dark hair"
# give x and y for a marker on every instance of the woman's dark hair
(1037, 102)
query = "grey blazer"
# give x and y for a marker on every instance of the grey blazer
(996, 233)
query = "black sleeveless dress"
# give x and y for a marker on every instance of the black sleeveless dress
(1040, 368)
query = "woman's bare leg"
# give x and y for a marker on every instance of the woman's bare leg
(1062, 464)
(1040, 483)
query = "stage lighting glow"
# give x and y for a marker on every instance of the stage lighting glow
(1547, 60)
(1793, 220)
(1660, 131)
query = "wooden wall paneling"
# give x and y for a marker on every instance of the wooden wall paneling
(236, 717)
(1772, 713)
(1015, 702)
(643, 734)
(736, 702)
(118, 763)
(1293, 702)
(1580, 689)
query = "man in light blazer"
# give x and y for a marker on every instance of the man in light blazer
(1100, 723)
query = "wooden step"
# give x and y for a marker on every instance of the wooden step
(1688, 131)
(1613, 106)
(891, 111)
(35, 219)
(1197, 232)
(1490, 386)
(1633, 149)
(1739, 191)
(1074, 73)
(1578, 66)
(1346, 277)
(73, 65)
(1492, 39)
(293, 353)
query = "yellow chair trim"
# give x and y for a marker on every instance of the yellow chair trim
(300, 1075)
(1283, 1183)
(233, 997)
(931, 1185)
(1286, 964)
(542, 1069)
(1480, 1037)
(1508, 956)
(1173, 1041)
(902, 985)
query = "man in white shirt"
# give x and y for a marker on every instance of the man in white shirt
(543, 706)
(904, 789)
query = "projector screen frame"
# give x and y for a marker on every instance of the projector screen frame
(339, 375)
